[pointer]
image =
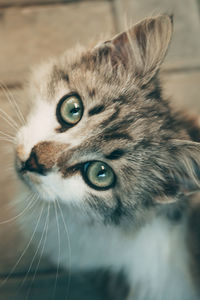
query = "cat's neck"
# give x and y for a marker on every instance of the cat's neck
(154, 254)
(91, 240)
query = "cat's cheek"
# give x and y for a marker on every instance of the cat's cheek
(70, 190)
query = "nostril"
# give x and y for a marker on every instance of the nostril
(32, 165)
(32, 162)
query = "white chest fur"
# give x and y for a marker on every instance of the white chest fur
(155, 259)
(160, 263)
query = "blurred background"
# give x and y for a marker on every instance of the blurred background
(32, 31)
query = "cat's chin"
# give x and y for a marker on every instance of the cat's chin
(34, 183)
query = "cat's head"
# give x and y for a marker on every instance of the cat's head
(99, 135)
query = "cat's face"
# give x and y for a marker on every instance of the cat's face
(97, 132)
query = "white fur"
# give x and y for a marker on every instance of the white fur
(54, 186)
(36, 131)
(160, 264)
(154, 258)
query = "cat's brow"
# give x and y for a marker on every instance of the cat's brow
(115, 154)
(96, 110)
(117, 136)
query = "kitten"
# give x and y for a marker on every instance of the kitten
(102, 146)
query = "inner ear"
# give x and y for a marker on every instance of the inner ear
(181, 170)
(186, 156)
(142, 48)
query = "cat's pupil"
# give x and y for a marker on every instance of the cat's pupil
(102, 173)
(75, 110)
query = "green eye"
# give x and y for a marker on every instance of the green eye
(71, 109)
(99, 175)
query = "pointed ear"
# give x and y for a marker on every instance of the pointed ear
(142, 48)
(181, 170)
(187, 164)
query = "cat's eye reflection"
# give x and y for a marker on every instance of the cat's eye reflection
(99, 175)
(70, 110)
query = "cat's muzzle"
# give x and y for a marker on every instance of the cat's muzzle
(30, 165)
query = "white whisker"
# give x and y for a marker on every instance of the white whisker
(24, 251)
(7, 140)
(8, 119)
(29, 206)
(69, 247)
(34, 256)
(58, 233)
(42, 251)
(8, 135)
(13, 103)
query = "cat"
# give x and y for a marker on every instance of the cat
(102, 145)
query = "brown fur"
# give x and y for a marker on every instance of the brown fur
(152, 149)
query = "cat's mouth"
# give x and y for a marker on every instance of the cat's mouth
(33, 175)
(27, 172)
(34, 181)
